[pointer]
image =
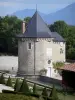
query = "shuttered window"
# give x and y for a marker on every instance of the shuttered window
(29, 46)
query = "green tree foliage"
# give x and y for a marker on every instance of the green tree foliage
(17, 85)
(9, 82)
(53, 94)
(2, 80)
(9, 27)
(27, 19)
(58, 65)
(24, 87)
(34, 89)
(61, 27)
(68, 33)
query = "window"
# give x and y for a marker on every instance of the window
(49, 61)
(61, 50)
(29, 46)
(61, 44)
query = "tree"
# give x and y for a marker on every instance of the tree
(9, 27)
(70, 43)
(27, 19)
(61, 27)
(53, 94)
(9, 82)
(34, 89)
(17, 86)
(2, 80)
(71, 53)
(24, 87)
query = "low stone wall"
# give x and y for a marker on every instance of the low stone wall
(50, 80)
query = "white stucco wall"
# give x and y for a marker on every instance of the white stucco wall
(7, 62)
(26, 57)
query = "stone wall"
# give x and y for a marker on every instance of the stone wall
(34, 59)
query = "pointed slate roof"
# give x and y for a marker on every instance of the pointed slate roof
(57, 37)
(37, 28)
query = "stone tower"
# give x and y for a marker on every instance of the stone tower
(35, 47)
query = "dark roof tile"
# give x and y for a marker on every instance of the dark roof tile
(37, 28)
(57, 37)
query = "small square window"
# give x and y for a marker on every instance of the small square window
(61, 50)
(49, 61)
(29, 46)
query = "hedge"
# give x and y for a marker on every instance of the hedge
(4, 96)
(14, 92)
(27, 94)
(9, 91)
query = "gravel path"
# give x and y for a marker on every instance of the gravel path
(3, 87)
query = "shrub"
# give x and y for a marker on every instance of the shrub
(2, 80)
(9, 82)
(44, 93)
(17, 86)
(20, 93)
(9, 91)
(58, 65)
(35, 95)
(34, 89)
(24, 87)
(53, 94)
(41, 98)
(43, 71)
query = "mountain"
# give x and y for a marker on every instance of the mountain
(66, 14)
(26, 13)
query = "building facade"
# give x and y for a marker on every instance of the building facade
(38, 48)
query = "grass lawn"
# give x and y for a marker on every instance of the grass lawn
(66, 96)
(39, 91)
(16, 97)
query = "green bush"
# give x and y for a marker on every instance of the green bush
(2, 80)
(34, 89)
(9, 91)
(24, 87)
(9, 82)
(44, 93)
(17, 85)
(34, 95)
(53, 94)
(58, 65)
(41, 98)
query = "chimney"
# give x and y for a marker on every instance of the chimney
(23, 27)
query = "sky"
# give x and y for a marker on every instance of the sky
(44, 6)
